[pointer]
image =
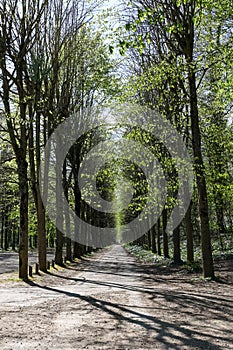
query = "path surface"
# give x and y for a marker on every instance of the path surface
(111, 302)
(9, 261)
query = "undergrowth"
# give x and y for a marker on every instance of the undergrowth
(147, 256)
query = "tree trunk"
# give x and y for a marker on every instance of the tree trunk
(34, 172)
(176, 245)
(59, 211)
(68, 249)
(67, 217)
(158, 238)
(20, 150)
(207, 259)
(23, 229)
(2, 228)
(59, 246)
(41, 230)
(219, 204)
(78, 248)
(149, 239)
(13, 239)
(40, 206)
(189, 235)
(165, 237)
(6, 231)
(153, 240)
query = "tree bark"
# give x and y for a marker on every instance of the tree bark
(34, 172)
(207, 259)
(153, 240)
(158, 238)
(41, 229)
(149, 239)
(23, 229)
(59, 211)
(176, 245)
(67, 217)
(189, 235)
(165, 236)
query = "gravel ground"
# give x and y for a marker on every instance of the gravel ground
(9, 261)
(111, 301)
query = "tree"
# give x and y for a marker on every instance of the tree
(19, 20)
(215, 106)
(175, 24)
(8, 196)
(42, 80)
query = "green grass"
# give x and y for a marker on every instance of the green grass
(146, 256)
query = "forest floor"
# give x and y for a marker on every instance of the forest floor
(111, 301)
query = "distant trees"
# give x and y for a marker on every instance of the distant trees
(9, 204)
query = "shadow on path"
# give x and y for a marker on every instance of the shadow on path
(189, 306)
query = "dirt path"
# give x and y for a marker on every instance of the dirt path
(112, 302)
(9, 261)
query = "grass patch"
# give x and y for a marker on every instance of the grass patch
(194, 267)
(146, 256)
(12, 279)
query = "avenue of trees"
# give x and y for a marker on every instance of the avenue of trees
(176, 57)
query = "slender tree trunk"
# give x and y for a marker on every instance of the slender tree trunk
(59, 212)
(78, 248)
(35, 174)
(2, 228)
(158, 238)
(153, 240)
(13, 239)
(23, 229)
(207, 259)
(68, 248)
(6, 231)
(59, 246)
(189, 234)
(149, 239)
(220, 219)
(176, 245)
(42, 246)
(165, 237)
(67, 217)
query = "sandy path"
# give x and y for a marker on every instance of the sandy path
(9, 261)
(113, 303)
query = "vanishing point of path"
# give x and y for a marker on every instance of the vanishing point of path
(112, 302)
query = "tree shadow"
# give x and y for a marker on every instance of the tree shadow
(186, 309)
(166, 333)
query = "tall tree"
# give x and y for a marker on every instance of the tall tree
(19, 20)
(173, 27)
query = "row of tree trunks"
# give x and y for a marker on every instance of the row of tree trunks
(152, 240)
(178, 44)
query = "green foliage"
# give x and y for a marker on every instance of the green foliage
(194, 267)
(146, 256)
